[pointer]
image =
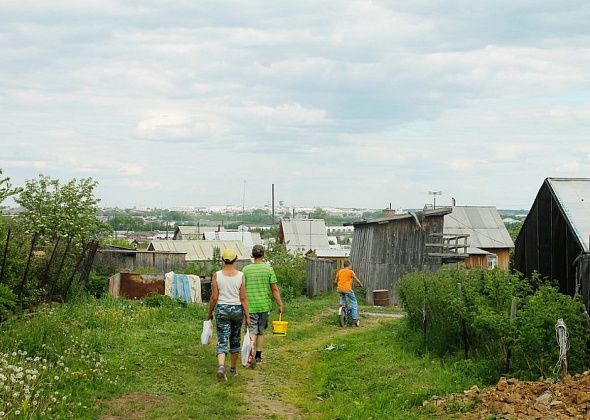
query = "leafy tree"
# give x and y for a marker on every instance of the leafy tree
(318, 213)
(289, 269)
(126, 222)
(6, 189)
(53, 209)
(514, 230)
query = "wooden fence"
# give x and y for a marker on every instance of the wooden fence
(320, 276)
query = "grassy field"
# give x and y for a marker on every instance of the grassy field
(121, 359)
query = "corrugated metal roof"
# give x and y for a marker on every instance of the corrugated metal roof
(483, 225)
(332, 253)
(200, 250)
(195, 230)
(248, 238)
(573, 195)
(304, 234)
(476, 251)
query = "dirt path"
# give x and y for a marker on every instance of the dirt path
(271, 385)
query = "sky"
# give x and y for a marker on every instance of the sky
(338, 103)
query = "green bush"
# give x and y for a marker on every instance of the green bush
(525, 345)
(97, 285)
(289, 269)
(432, 304)
(535, 350)
(7, 302)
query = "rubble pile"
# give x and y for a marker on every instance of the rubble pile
(514, 399)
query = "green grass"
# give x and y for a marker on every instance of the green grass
(152, 364)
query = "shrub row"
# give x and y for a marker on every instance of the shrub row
(477, 320)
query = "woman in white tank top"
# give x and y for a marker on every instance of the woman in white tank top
(228, 293)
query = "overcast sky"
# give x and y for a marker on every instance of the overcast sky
(339, 103)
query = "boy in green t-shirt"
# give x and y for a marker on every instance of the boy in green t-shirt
(260, 280)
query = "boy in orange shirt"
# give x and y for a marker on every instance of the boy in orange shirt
(343, 280)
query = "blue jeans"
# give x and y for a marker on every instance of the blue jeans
(352, 300)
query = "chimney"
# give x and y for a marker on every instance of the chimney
(388, 212)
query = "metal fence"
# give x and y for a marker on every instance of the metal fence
(320, 275)
(36, 268)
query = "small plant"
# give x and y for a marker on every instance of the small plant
(97, 286)
(7, 302)
(162, 301)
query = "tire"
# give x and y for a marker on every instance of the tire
(342, 318)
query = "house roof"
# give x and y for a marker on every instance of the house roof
(483, 225)
(476, 251)
(332, 253)
(200, 250)
(402, 216)
(248, 238)
(573, 195)
(195, 230)
(304, 234)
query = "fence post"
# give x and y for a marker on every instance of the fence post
(45, 277)
(88, 263)
(74, 271)
(4, 258)
(509, 349)
(563, 343)
(586, 316)
(61, 266)
(424, 313)
(463, 323)
(22, 284)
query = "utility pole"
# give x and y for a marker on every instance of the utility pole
(243, 205)
(273, 204)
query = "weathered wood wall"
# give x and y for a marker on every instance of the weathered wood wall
(160, 261)
(320, 275)
(383, 252)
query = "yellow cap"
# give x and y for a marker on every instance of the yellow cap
(229, 255)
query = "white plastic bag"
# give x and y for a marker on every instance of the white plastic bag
(247, 349)
(207, 332)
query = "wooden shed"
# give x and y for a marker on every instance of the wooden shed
(134, 259)
(554, 240)
(385, 249)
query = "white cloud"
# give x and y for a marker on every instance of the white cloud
(409, 94)
(29, 164)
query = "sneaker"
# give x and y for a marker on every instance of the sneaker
(233, 371)
(221, 374)
(357, 323)
(258, 360)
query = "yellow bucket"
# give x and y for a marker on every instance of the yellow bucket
(279, 327)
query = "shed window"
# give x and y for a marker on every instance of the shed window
(492, 261)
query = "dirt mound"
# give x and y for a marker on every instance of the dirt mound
(514, 399)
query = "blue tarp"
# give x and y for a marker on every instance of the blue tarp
(181, 288)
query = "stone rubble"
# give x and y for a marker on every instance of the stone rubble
(514, 399)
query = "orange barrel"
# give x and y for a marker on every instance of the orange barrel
(381, 297)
